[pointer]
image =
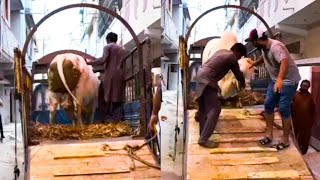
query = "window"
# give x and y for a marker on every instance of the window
(104, 19)
(294, 48)
(174, 68)
(243, 15)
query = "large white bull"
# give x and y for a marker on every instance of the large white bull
(228, 85)
(80, 102)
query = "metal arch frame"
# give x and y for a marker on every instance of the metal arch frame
(44, 59)
(101, 8)
(222, 7)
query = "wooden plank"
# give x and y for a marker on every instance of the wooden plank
(98, 161)
(203, 162)
(242, 150)
(287, 174)
(194, 139)
(230, 134)
(100, 177)
(238, 130)
(43, 164)
(246, 161)
(237, 140)
(85, 170)
(306, 177)
(89, 155)
(242, 118)
(141, 171)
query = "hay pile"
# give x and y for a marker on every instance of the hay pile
(247, 98)
(191, 103)
(39, 132)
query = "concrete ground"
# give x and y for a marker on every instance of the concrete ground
(312, 159)
(7, 149)
(171, 170)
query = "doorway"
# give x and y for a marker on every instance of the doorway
(173, 76)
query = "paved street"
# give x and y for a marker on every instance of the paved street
(7, 149)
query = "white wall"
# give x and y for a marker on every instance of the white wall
(139, 18)
(16, 23)
(311, 43)
(8, 40)
(273, 12)
(155, 50)
(171, 27)
(305, 73)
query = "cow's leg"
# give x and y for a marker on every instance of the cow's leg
(67, 105)
(93, 111)
(78, 113)
(238, 102)
(53, 110)
(70, 114)
(78, 107)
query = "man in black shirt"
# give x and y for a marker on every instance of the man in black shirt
(207, 88)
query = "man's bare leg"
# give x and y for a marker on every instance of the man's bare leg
(286, 130)
(269, 123)
(269, 129)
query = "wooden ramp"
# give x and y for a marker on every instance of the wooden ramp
(87, 161)
(239, 156)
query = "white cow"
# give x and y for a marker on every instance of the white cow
(84, 98)
(228, 85)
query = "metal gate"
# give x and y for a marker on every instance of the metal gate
(138, 91)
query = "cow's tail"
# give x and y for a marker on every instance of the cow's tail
(61, 74)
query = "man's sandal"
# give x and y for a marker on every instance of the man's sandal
(280, 146)
(265, 141)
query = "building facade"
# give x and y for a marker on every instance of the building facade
(16, 22)
(175, 20)
(142, 16)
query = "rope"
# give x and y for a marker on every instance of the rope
(246, 112)
(131, 150)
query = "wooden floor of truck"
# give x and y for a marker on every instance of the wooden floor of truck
(239, 156)
(86, 160)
